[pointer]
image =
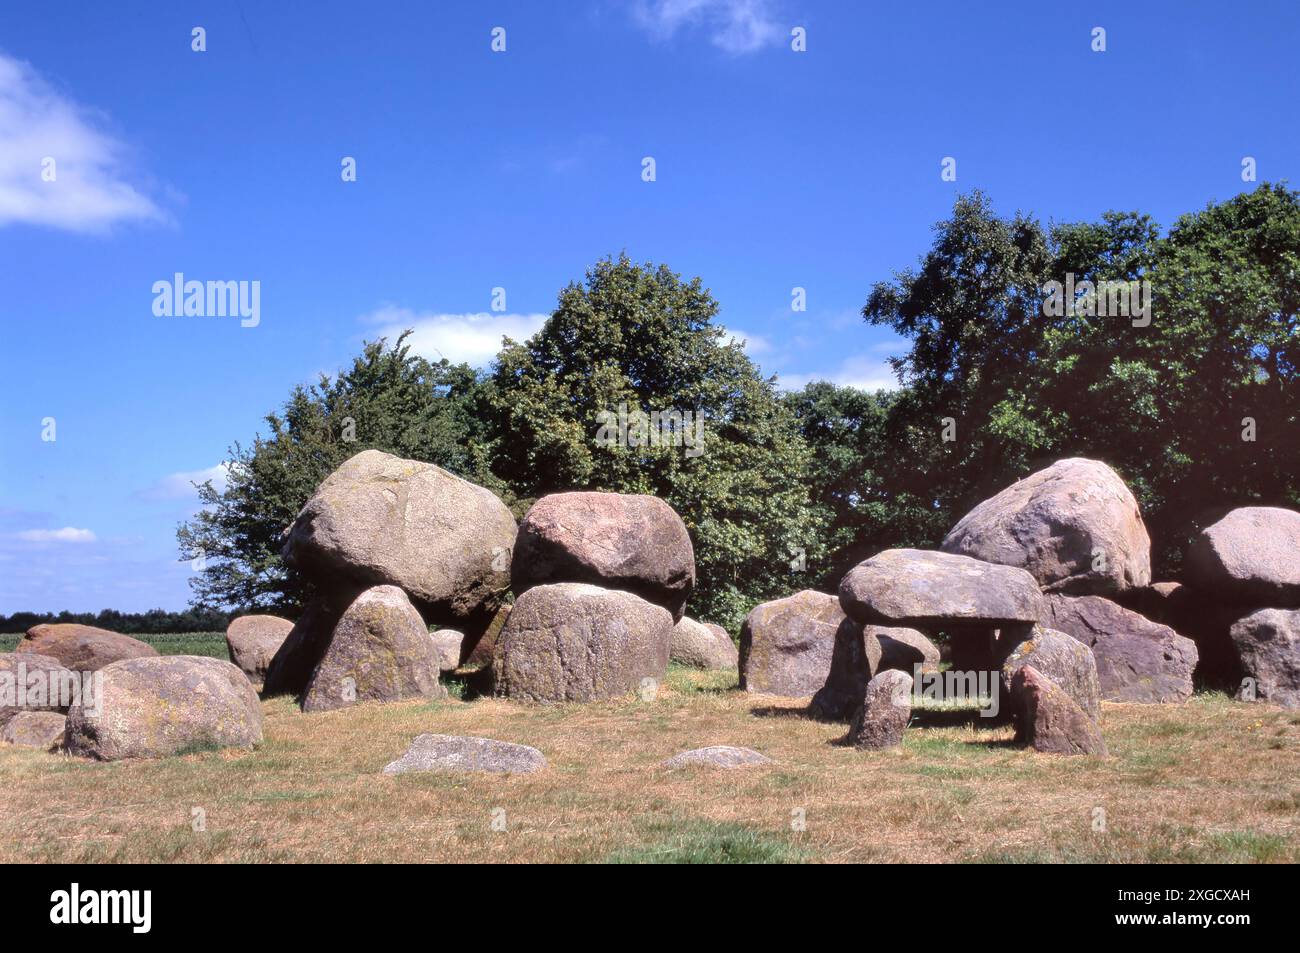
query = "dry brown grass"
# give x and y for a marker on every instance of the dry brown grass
(1212, 780)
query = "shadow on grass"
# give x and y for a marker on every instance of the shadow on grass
(776, 711)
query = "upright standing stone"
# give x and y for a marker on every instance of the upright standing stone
(1269, 644)
(1062, 658)
(290, 669)
(884, 713)
(1048, 718)
(380, 651)
(573, 642)
(786, 645)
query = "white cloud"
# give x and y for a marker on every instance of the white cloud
(474, 339)
(752, 343)
(89, 191)
(69, 534)
(863, 371)
(179, 486)
(735, 26)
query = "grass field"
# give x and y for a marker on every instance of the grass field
(1212, 780)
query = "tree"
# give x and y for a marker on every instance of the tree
(858, 480)
(1167, 403)
(389, 399)
(640, 339)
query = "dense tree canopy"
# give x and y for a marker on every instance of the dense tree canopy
(1196, 407)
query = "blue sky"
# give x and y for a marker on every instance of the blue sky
(518, 169)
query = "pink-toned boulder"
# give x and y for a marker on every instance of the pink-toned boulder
(636, 543)
(82, 648)
(1049, 720)
(1251, 557)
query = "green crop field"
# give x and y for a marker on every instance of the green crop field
(167, 643)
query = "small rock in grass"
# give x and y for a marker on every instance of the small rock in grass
(718, 756)
(460, 753)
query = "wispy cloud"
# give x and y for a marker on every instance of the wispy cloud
(753, 344)
(735, 26)
(179, 486)
(864, 371)
(88, 191)
(474, 339)
(69, 534)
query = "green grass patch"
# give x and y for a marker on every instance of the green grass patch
(699, 842)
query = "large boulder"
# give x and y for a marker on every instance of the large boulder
(82, 648)
(904, 649)
(1268, 642)
(702, 646)
(914, 587)
(884, 711)
(1062, 658)
(1195, 614)
(613, 540)
(1049, 720)
(31, 682)
(1251, 557)
(291, 667)
(381, 520)
(1075, 526)
(574, 642)
(166, 705)
(43, 730)
(786, 645)
(1137, 660)
(380, 651)
(253, 641)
